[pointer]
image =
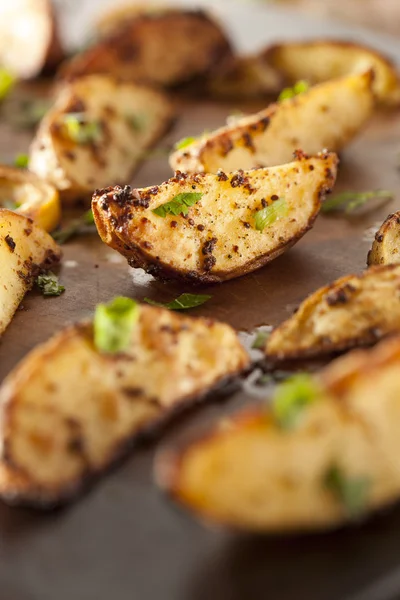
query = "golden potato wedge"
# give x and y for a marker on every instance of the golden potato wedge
(386, 246)
(164, 48)
(327, 116)
(29, 40)
(30, 196)
(69, 411)
(352, 311)
(336, 462)
(219, 237)
(25, 250)
(96, 134)
(245, 78)
(321, 60)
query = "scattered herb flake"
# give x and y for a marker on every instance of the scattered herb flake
(348, 202)
(184, 143)
(183, 302)
(113, 324)
(75, 227)
(271, 213)
(291, 397)
(137, 122)
(81, 131)
(290, 92)
(7, 81)
(10, 204)
(48, 284)
(351, 492)
(178, 205)
(260, 340)
(21, 161)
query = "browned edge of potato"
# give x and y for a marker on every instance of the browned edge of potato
(69, 412)
(217, 240)
(124, 119)
(39, 49)
(355, 310)
(386, 245)
(25, 251)
(161, 48)
(319, 60)
(252, 474)
(327, 116)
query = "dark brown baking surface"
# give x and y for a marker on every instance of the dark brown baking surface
(124, 540)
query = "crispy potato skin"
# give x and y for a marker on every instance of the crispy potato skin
(321, 60)
(217, 240)
(136, 51)
(352, 311)
(25, 250)
(386, 246)
(39, 49)
(36, 198)
(77, 169)
(253, 475)
(245, 78)
(67, 411)
(326, 116)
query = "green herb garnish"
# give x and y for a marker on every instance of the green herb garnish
(113, 324)
(10, 204)
(183, 302)
(49, 285)
(137, 122)
(21, 161)
(292, 397)
(184, 143)
(81, 131)
(260, 340)
(268, 215)
(350, 201)
(178, 205)
(7, 81)
(290, 92)
(75, 227)
(351, 492)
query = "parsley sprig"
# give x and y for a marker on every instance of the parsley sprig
(351, 492)
(348, 201)
(271, 213)
(76, 227)
(183, 302)
(178, 205)
(49, 285)
(80, 130)
(290, 92)
(292, 397)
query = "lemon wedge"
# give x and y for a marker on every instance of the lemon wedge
(28, 195)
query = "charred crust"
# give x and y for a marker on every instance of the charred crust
(222, 176)
(209, 246)
(341, 295)
(209, 263)
(248, 141)
(10, 243)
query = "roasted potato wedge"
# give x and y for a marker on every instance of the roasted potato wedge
(386, 246)
(68, 411)
(335, 463)
(29, 40)
(115, 18)
(321, 60)
(327, 116)
(164, 48)
(352, 311)
(246, 78)
(25, 250)
(218, 238)
(96, 134)
(30, 196)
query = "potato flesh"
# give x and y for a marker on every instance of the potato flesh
(254, 475)
(320, 61)
(221, 225)
(386, 246)
(327, 116)
(77, 169)
(352, 311)
(24, 249)
(68, 410)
